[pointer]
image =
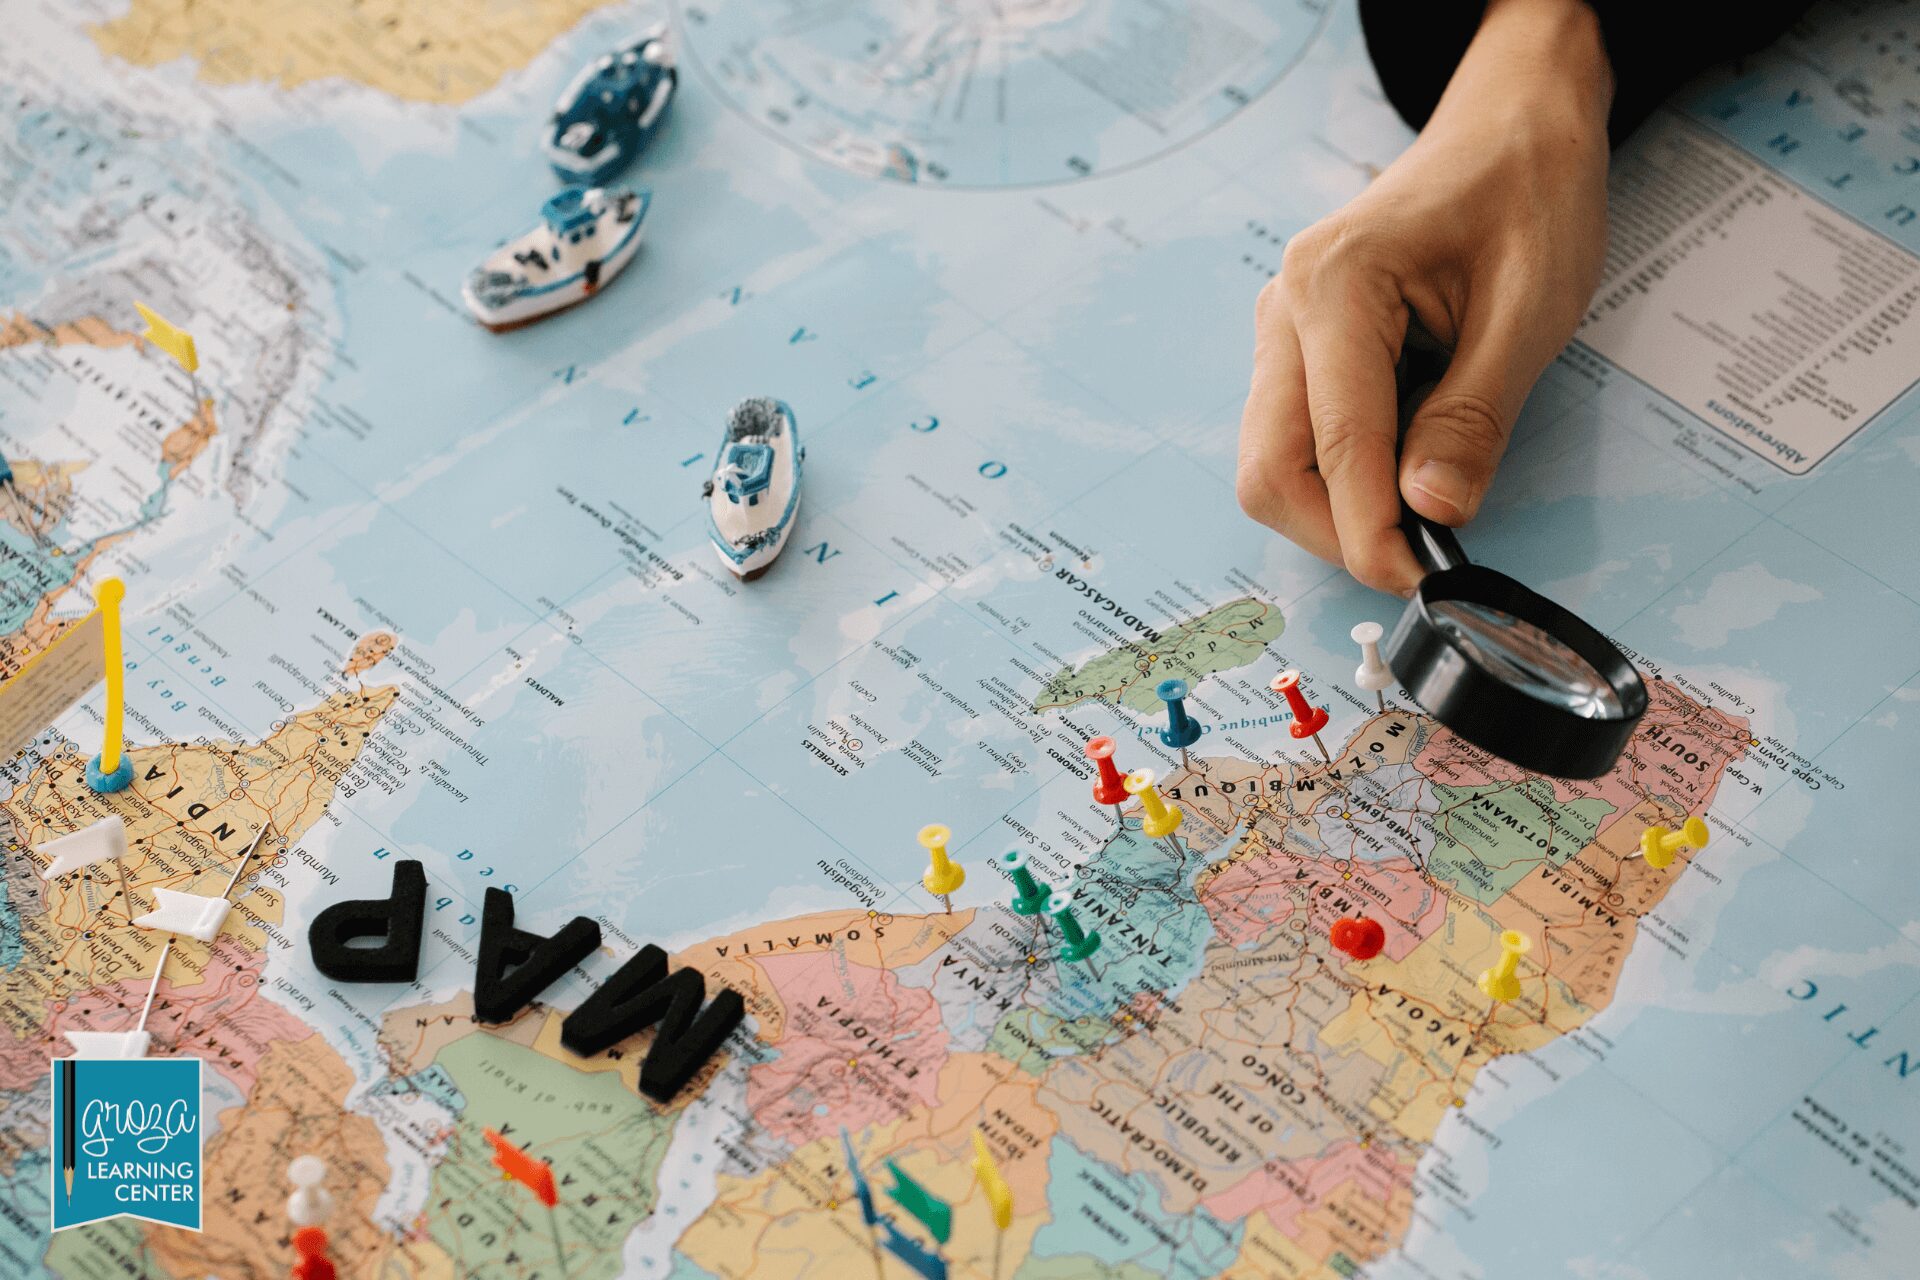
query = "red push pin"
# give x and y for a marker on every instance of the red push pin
(1359, 937)
(1109, 787)
(307, 1208)
(310, 1261)
(1307, 721)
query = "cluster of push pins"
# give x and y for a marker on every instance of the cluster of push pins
(1363, 939)
(1158, 819)
(1357, 937)
(1030, 898)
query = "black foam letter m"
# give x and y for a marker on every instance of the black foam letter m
(643, 993)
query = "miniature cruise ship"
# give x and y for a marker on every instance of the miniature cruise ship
(611, 110)
(754, 494)
(585, 237)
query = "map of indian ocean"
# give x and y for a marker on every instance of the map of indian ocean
(407, 589)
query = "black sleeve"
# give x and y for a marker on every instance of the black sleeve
(1654, 49)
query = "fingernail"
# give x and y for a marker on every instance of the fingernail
(1444, 483)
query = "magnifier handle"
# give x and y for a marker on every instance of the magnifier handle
(1422, 361)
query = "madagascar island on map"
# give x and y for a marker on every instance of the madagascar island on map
(402, 589)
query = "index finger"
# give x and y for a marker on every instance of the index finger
(1351, 403)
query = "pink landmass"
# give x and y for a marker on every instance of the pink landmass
(218, 1017)
(858, 1049)
(1284, 1191)
(1250, 897)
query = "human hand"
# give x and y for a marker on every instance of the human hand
(1492, 230)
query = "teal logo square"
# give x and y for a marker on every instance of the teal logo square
(127, 1138)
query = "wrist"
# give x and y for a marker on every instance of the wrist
(1546, 59)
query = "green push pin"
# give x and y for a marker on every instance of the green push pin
(1079, 945)
(1032, 895)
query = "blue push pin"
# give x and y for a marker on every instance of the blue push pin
(1031, 895)
(1182, 730)
(1079, 945)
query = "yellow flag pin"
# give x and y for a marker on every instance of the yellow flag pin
(175, 341)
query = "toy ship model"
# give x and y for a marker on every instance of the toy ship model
(586, 235)
(610, 111)
(754, 494)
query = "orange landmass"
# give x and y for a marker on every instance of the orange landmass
(1285, 1191)
(19, 330)
(190, 814)
(185, 442)
(296, 1107)
(369, 651)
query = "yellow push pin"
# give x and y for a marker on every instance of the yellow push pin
(1502, 982)
(111, 770)
(945, 875)
(1162, 819)
(1659, 845)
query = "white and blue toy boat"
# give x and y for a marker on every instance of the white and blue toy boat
(609, 113)
(586, 235)
(755, 491)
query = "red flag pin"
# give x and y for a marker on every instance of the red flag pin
(516, 1165)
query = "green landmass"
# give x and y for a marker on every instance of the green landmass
(604, 1141)
(1230, 636)
(1033, 1038)
(1489, 837)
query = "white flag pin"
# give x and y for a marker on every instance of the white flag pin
(123, 1044)
(110, 1044)
(192, 914)
(104, 840)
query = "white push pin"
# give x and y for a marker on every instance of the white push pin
(309, 1205)
(1372, 673)
(194, 914)
(89, 846)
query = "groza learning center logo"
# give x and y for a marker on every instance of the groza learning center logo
(126, 1141)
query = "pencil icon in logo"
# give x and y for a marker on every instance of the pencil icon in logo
(67, 1112)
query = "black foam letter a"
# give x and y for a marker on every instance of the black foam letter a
(516, 966)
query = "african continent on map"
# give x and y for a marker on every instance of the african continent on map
(977, 94)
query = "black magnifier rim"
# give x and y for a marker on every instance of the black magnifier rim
(1484, 709)
(1525, 730)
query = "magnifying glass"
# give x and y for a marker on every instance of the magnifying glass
(1501, 665)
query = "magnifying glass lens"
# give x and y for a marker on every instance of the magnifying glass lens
(1526, 658)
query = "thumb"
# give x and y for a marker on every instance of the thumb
(1457, 436)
